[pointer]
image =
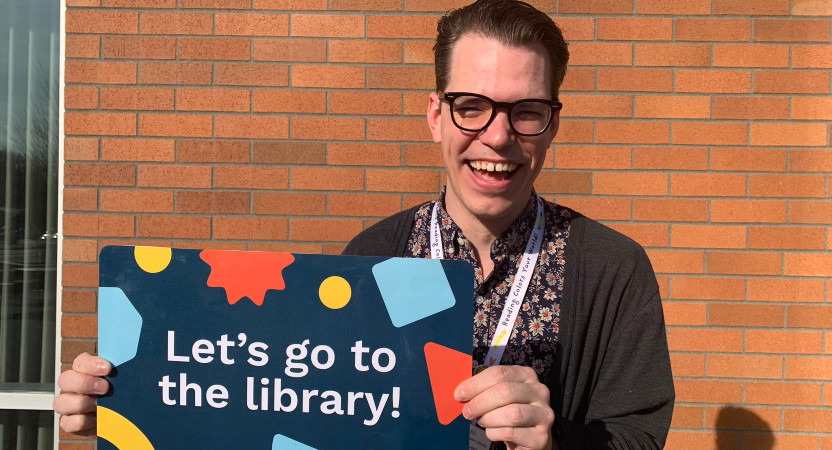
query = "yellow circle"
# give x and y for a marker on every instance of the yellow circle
(335, 292)
(152, 259)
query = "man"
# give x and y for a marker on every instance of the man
(568, 329)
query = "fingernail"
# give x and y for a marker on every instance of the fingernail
(101, 386)
(466, 412)
(103, 368)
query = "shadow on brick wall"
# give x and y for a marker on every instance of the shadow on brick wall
(740, 428)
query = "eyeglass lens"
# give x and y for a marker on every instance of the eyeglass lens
(474, 113)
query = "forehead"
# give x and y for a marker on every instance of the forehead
(486, 66)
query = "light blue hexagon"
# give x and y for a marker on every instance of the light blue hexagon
(119, 326)
(281, 442)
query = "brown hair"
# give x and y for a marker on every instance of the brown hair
(512, 23)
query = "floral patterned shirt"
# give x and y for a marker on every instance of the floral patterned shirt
(535, 333)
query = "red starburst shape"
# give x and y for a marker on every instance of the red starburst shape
(246, 274)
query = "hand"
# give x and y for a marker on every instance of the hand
(511, 404)
(79, 388)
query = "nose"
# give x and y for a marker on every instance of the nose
(498, 134)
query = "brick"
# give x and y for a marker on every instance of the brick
(707, 288)
(770, 393)
(70, 349)
(139, 4)
(292, 49)
(83, 3)
(812, 57)
(175, 73)
(80, 199)
(579, 80)
(576, 132)
(328, 128)
(735, 55)
(808, 264)
(812, 108)
(175, 125)
(809, 316)
(811, 8)
(785, 290)
(80, 250)
(751, 7)
(212, 202)
(750, 211)
(584, 105)
(102, 22)
(780, 82)
(100, 72)
(327, 179)
(808, 368)
(685, 314)
(599, 208)
(363, 154)
(710, 133)
(251, 75)
(634, 29)
(289, 152)
(252, 127)
(79, 326)
(175, 176)
(213, 49)
(792, 342)
(97, 225)
(592, 157)
(418, 52)
(712, 30)
(670, 158)
(289, 101)
(398, 130)
(249, 24)
(80, 149)
(743, 418)
(722, 81)
(595, 6)
(251, 228)
(177, 23)
(647, 235)
(288, 247)
(686, 417)
(364, 205)
(366, 5)
(600, 54)
(673, 7)
(328, 76)
(401, 77)
(708, 391)
(218, 4)
(780, 238)
(746, 315)
(671, 210)
(251, 177)
(77, 174)
(134, 200)
(562, 182)
(812, 420)
(81, 97)
(324, 229)
(289, 204)
(739, 263)
(118, 47)
(238, 100)
(810, 212)
(708, 236)
(176, 227)
(353, 51)
(422, 155)
(365, 103)
(625, 132)
(786, 185)
(745, 159)
(751, 108)
(639, 80)
(707, 185)
(141, 99)
(687, 365)
(699, 439)
(673, 55)
(704, 340)
(791, 31)
(107, 124)
(326, 25)
(744, 366)
(308, 5)
(213, 151)
(391, 180)
(402, 27)
(212, 245)
(676, 107)
(677, 261)
(83, 46)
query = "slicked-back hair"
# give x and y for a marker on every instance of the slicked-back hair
(511, 22)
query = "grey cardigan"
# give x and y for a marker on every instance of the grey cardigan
(615, 388)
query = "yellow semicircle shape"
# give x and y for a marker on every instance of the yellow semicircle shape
(152, 259)
(115, 428)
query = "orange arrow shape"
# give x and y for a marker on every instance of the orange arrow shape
(447, 368)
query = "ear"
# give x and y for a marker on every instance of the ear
(434, 116)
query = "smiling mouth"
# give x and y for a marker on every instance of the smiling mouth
(492, 171)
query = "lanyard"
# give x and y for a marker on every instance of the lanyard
(518, 287)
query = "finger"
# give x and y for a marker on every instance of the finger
(79, 383)
(91, 365)
(491, 376)
(72, 404)
(518, 415)
(505, 395)
(521, 438)
(80, 424)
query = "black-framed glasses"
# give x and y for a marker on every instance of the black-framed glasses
(527, 117)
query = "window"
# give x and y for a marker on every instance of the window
(29, 91)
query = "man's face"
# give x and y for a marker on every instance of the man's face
(485, 66)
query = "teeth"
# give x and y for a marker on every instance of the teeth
(492, 167)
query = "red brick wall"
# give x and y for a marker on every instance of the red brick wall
(701, 128)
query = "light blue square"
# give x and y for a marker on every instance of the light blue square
(413, 288)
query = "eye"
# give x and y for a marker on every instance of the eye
(471, 106)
